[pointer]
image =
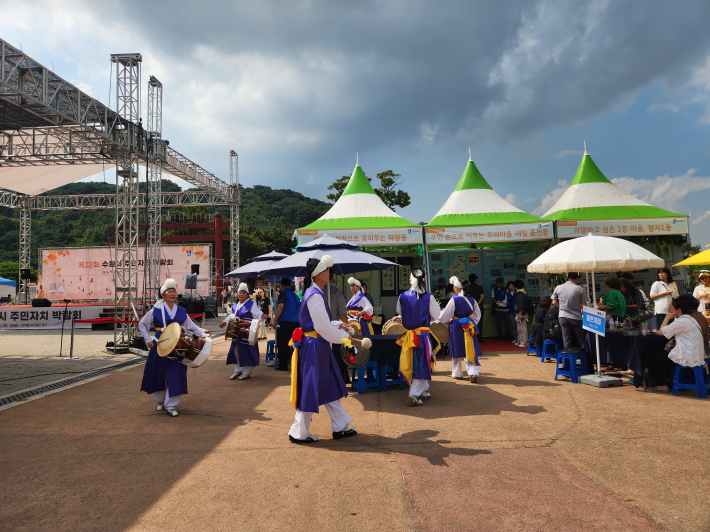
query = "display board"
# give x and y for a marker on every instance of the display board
(532, 281)
(88, 273)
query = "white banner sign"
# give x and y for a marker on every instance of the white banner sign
(14, 318)
(391, 236)
(640, 227)
(489, 233)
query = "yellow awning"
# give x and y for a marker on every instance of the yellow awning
(700, 259)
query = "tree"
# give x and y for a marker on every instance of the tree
(387, 192)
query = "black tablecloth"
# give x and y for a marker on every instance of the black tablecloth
(619, 350)
(385, 349)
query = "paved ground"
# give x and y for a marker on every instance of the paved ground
(516, 452)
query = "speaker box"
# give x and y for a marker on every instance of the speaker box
(41, 303)
(191, 281)
(195, 269)
(25, 274)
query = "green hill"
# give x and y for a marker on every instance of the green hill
(268, 219)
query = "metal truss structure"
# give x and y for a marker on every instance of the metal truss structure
(153, 231)
(234, 213)
(25, 229)
(45, 120)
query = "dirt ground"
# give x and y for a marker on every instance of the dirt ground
(518, 451)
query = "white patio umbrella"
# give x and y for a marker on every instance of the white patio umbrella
(595, 254)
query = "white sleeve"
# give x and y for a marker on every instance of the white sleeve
(144, 326)
(256, 313)
(321, 322)
(448, 313)
(190, 326)
(229, 317)
(399, 307)
(368, 307)
(434, 309)
(655, 288)
(476, 314)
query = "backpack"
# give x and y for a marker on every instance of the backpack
(528, 305)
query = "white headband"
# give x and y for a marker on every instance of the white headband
(169, 283)
(243, 288)
(354, 281)
(326, 262)
(455, 281)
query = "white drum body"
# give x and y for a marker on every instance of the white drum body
(204, 354)
(254, 332)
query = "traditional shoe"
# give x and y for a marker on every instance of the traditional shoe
(426, 395)
(310, 439)
(172, 412)
(159, 406)
(414, 401)
(474, 379)
(344, 433)
(235, 375)
(457, 378)
(272, 363)
(244, 377)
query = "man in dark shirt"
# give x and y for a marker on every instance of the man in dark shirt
(477, 292)
(285, 322)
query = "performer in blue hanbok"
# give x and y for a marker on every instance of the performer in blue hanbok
(163, 377)
(315, 377)
(463, 313)
(242, 355)
(417, 309)
(359, 308)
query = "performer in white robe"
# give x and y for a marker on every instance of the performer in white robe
(243, 356)
(359, 308)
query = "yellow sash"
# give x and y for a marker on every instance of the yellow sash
(468, 342)
(294, 366)
(406, 357)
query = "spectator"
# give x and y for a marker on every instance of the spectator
(499, 302)
(521, 317)
(689, 349)
(553, 331)
(538, 329)
(613, 301)
(702, 291)
(511, 310)
(630, 277)
(441, 292)
(285, 322)
(570, 298)
(264, 304)
(634, 298)
(478, 294)
(662, 292)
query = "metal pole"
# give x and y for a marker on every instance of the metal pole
(425, 251)
(596, 336)
(64, 317)
(71, 346)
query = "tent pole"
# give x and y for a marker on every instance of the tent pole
(596, 336)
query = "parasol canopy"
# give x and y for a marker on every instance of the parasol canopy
(699, 259)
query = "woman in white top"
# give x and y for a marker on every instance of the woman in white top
(662, 292)
(689, 350)
(242, 355)
(702, 291)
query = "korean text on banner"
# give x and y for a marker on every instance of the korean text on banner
(640, 227)
(594, 320)
(492, 233)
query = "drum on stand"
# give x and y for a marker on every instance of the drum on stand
(394, 326)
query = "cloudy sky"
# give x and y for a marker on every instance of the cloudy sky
(298, 88)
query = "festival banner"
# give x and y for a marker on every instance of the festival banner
(88, 273)
(490, 233)
(15, 318)
(640, 227)
(388, 236)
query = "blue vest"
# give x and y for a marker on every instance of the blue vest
(180, 317)
(244, 312)
(461, 308)
(353, 305)
(304, 316)
(415, 311)
(290, 310)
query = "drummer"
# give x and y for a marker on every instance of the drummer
(315, 378)
(163, 377)
(359, 307)
(463, 313)
(242, 355)
(418, 309)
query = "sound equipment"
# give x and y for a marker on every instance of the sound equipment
(191, 281)
(25, 274)
(195, 269)
(41, 303)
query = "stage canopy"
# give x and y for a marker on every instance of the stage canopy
(593, 204)
(34, 180)
(476, 213)
(361, 217)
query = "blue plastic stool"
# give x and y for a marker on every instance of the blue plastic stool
(390, 376)
(270, 355)
(567, 364)
(368, 376)
(701, 382)
(549, 350)
(535, 349)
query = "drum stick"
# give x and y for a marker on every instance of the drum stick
(365, 342)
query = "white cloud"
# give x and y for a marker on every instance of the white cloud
(310, 180)
(664, 191)
(700, 218)
(673, 108)
(513, 200)
(428, 132)
(551, 198)
(568, 153)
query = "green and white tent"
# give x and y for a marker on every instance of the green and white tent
(361, 217)
(593, 204)
(476, 213)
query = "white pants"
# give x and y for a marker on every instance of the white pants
(471, 369)
(339, 420)
(419, 386)
(246, 370)
(262, 328)
(164, 397)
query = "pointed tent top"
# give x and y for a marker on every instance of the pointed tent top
(470, 158)
(585, 148)
(472, 178)
(358, 183)
(588, 172)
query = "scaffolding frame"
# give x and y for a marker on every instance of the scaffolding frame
(234, 214)
(153, 231)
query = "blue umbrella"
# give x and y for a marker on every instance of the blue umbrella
(257, 264)
(347, 260)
